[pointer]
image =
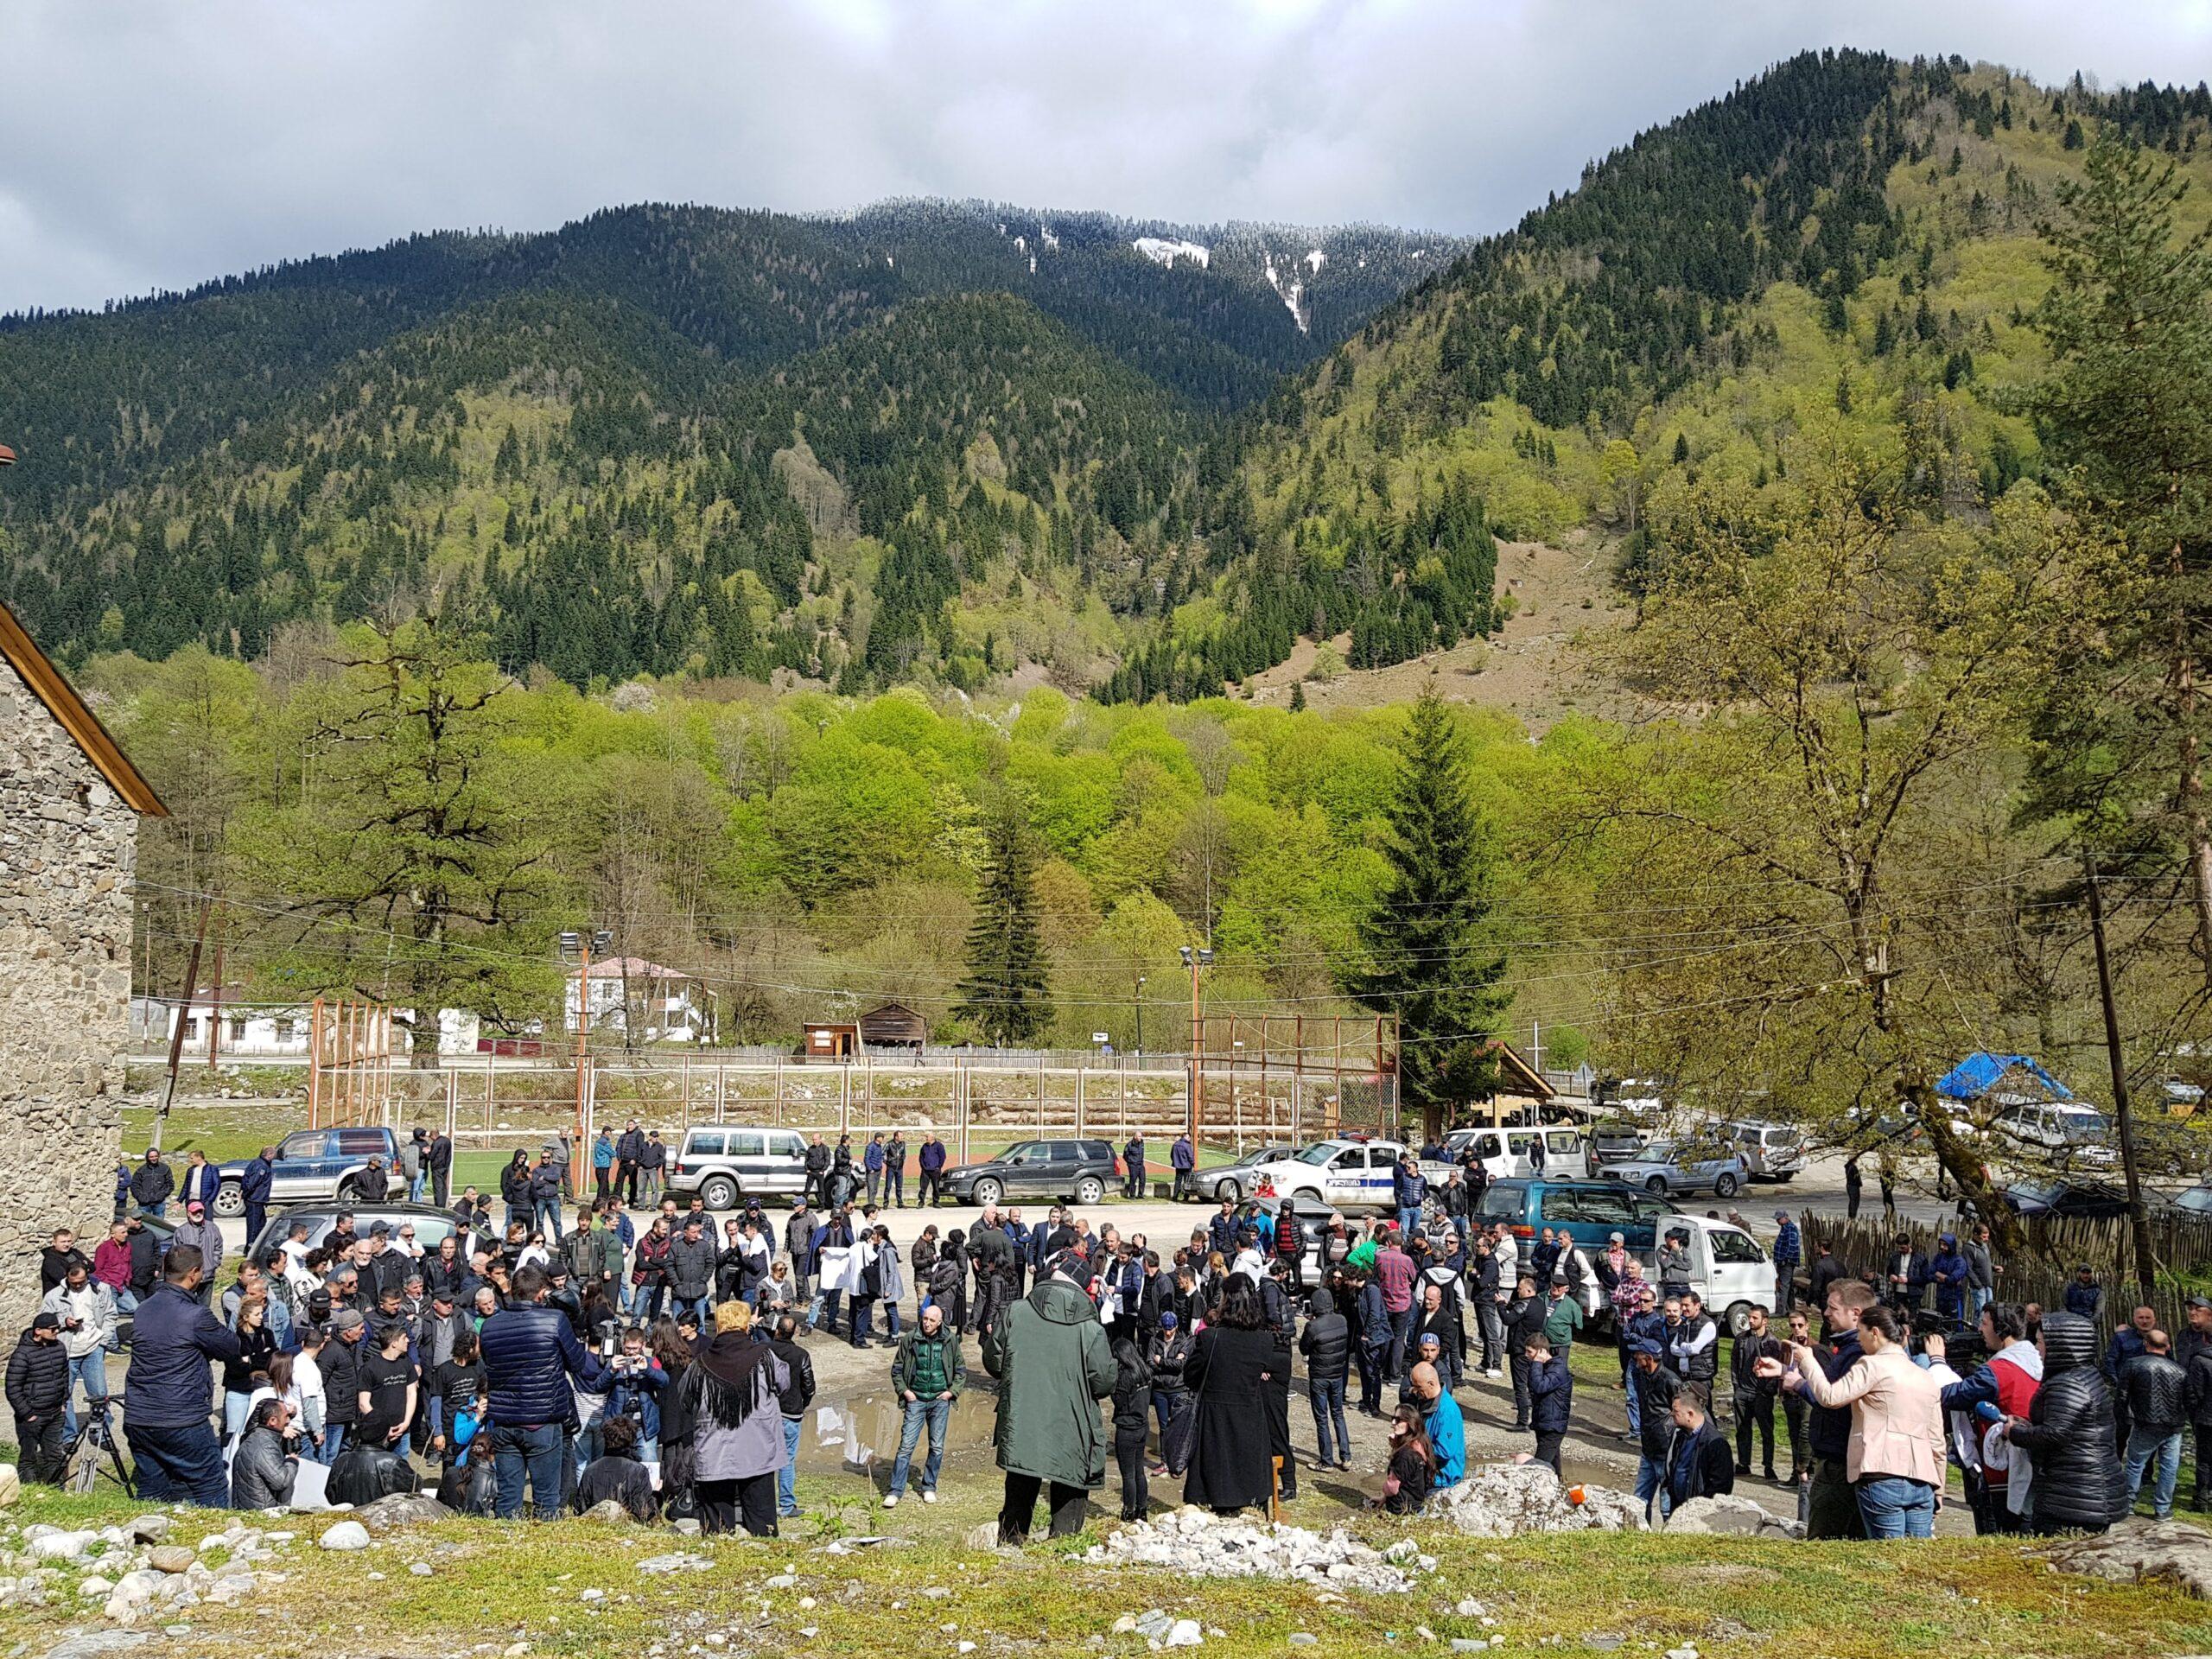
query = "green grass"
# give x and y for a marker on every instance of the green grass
(497, 1584)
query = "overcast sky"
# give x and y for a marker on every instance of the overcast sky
(146, 146)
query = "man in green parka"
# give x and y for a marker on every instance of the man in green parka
(1054, 1365)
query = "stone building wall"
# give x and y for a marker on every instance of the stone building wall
(68, 846)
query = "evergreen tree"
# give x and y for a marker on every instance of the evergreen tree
(1298, 697)
(1006, 995)
(1429, 954)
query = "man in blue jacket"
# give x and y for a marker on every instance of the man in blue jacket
(253, 1187)
(871, 1164)
(1409, 1188)
(932, 1161)
(1182, 1158)
(1788, 1249)
(168, 1393)
(531, 1354)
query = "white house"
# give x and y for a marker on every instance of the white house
(658, 1004)
(246, 1030)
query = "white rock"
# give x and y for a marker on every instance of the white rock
(347, 1534)
(1185, 1634)
(61, 1545)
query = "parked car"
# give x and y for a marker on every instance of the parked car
(1351, 1171)
(1772, 1152)
(1591, 1211)
(2063, 1133)
(1669, 1166)
(1614, 1143)
(2196, 1201)
(1077, 1171)
(1504, 1153)
(726, 1165)
(310, 1164)
(2095, 1201)
(1233, 1181)
(431, 1223)
(1314, 1221)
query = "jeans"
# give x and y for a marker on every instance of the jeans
(2143, 1447)
(786, 1477)
(874, 1180)
(154, 1210)
(91, 1370)
(536, 1454)
(1893, 1507)
(1409, 1219)
(1753, 1410)
(182, 1464)
(1651, 1486)
(548, 1220)
(334, 1442)
(1402, 1327)
(415, 1189)
(1168, 1406)
(823, 1310)
(1492, 1324)
(699, 1308)
(1978, 1297)
(935, 1415)
(1327, 1400)
(894, 1187)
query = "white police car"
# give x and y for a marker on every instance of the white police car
(1351, 1172)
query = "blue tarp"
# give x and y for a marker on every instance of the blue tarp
(1977, 1074)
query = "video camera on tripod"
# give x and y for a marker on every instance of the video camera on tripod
(94, 1435)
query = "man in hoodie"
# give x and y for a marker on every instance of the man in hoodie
(926, 1374)
(1326, 1344)
(1948, 1271)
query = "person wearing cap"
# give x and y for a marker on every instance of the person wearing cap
(168, 1390)
(1563, 1315)
(38, 1393)
(1168, 1353)
(201, 1233)
(1789, 1251)
(367, 1184)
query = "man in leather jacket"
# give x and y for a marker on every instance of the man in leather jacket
(2157, 1390)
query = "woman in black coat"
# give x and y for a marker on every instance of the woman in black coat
(2068, 1433)
(1229, 1372)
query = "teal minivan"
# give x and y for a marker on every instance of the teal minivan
(1589, 1212)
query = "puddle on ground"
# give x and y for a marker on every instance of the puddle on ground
(861, 1430)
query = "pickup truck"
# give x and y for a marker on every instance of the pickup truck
(310, 1164)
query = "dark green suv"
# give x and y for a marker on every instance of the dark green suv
(1079, 1172)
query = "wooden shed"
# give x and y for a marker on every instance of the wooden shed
(894, 1025)
(830, 1041)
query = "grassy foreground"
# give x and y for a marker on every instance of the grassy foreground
(494, 1585)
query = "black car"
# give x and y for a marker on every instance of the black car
(430, 1224)
(1074, 1170)
(2092, 1200)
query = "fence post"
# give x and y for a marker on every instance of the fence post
(1079, 1100)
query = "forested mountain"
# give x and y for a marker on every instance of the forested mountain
(942, 442)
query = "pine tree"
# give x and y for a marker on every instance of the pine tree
(1681, 448)
(1006, 994)
(1298, 697)
(1429, 955)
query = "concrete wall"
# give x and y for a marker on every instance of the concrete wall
(68, 846)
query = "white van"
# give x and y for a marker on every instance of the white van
(1729, 1269)
(1505, 1152)
(1774, 1152)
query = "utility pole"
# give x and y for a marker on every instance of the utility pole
(1140, 978)
(2147, 1267)
(176, 1031)
(1195, 960)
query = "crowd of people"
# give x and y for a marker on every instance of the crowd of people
(668, 1368)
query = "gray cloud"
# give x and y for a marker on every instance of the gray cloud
(156, 146)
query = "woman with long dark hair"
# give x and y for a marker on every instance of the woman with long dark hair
(678, 1421)
(1231, 1366)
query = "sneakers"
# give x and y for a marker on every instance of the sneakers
(930, 1497)
(891, 1500)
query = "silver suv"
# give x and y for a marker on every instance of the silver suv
(726, 1166)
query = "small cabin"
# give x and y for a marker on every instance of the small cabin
(828, 1042)
(894, 1025)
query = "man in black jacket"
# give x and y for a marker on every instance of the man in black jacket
(2196, 1360)
(152, 1183)
(1697, 1455)
(2158, 1410)
(1656, 1389)
(38, 1388)
(1750, 1396)
(817, 1172)
(793, 1402)
(2068, 1431)
(168, 1390)
(439, 1161)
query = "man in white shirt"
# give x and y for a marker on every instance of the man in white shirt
(86, 1310)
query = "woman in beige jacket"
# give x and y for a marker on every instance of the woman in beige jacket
(1895, 1460)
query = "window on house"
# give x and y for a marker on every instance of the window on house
(238, 1027)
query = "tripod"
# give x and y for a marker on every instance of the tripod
(95, 1433)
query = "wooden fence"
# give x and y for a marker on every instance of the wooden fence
(2182, 1245)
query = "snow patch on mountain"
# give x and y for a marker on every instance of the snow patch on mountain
(1315, 259)
(1292, 293)
(1162, 251)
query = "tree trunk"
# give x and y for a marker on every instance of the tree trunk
(2190, 794)
(1965, 1166)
